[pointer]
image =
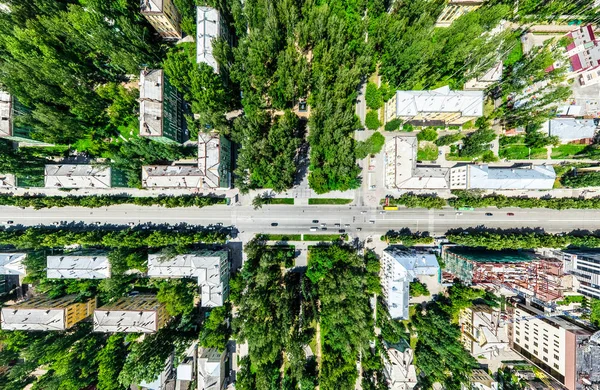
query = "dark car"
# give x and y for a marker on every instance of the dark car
(342, 231)
(510, 214)
(489, 214)
(315, 221)
(274, 224)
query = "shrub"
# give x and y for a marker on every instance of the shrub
(393, 125)
(427, 134)
(411, 200)
(418, 289)
(372, 120)
(373, 97)
(408, 127)
(449, 139)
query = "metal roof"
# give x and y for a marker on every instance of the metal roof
(411, 103)
(32, 319)
(12, 263)
(532, 177)
(77, 176)
(207, 29)
(78, 266)
(129, 314)
(568, 129)
(151, 102)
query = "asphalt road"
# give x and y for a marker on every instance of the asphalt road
(299, 219)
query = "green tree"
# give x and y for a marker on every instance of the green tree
(110, 360)
(449, 139)
(215, 331)
(373, 96)
(178, 295)
(372, 120)
(418, 289)
(427, 134)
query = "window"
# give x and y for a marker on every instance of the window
(535, 344)
(545, 359)
(517, 332)
(545, 350)
(556, 366)
(556, 357)
(526, 338)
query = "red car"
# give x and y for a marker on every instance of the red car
(510, 214)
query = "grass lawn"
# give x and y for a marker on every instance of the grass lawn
(567, 151)
(280, 201)
(329, 201)
(520, 152)
(324, 237)
(427, 152)
(282, 237)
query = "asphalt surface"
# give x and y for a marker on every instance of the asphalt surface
(299, 219)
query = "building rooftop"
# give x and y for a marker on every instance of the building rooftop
(151, 102)
(206, 266)
(129, 314)
(531, 177)
(402, 172)
(78, 265)
(77, 176)
(209, 369)
(5, 114)
(411, 103)
(584, 49)
(568, 129)
(417, 262)
(151, 6)
(207, 30)
(38, 313)
(209, 159)
(172, 176)
(12, 263)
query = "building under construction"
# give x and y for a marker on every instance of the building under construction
(524, 273)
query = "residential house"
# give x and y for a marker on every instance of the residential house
(133, 314)
(572, 130)
(163, 16)
(583, 50)
(161, 108)
(43, 313)
(400, 267)
(584, 265)
(10, 129)
(480, 380)
(438, 106)
(12, 270)
(208, 28)
(78, 265)
(398, 366)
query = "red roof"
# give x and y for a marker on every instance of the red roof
(576, 63)
(571, 45)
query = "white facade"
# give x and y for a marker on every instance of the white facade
(78, 266)
(400, 267)
(585, 266)
(211, 269)
(208, 28)
(5, 114)
(12, 263)
(77, 176)
(211, 369)
(399, 369)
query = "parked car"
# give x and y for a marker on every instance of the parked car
(489, 214)
(10, 222)
(323, 228)
(371, 222)
(342, 231)
(347, 225)
(510, 214)
(337, 225)
(315, 221)
(359, 229)
(274, 224)
(459, 213)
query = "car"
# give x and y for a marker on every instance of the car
(131, 224)
(134, 293)
(219, 223)
(274, 224)
(488, 214)
(315, 221)
(10, 222)
(371, 222)
(441, 215)
(97, 223)
(347, 225)
(382, 212)
(55, 223)
(363, 212)
(323, 224)
(510, 214)
(373, 187)
(458, 213)
(323, 228)
(314, 229)
(337, 225)
(359, 229)
(145, 227)
(342, 231)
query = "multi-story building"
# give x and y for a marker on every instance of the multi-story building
(77, 176)
(211, 369)
(585, 267)
(481, 333)
(10, 110)
(524, 177)
(208, 28)
(400, 267)
(439, 106)
(137, 314)
(78, 265)
(161, 108)
(583, 51)
(12, 270)
(571, 130)
(480, 380)
(398, 366)
(455, 9)
(210, 267)
(523, 273)
(163, 16)
(555, 345)
(43, 313)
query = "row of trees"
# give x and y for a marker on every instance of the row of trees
(474, 199)
(412, 200)
(498, 240)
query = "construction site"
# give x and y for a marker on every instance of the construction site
(526, 274)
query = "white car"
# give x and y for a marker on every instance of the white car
(371, 222)
(131, 224)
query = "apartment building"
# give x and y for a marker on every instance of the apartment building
(585, 267)
(518, 177)
(77, 176)
(78, 265)
(583, 51)
(211, 369)
(161, 108)
(211, 268)
(208, 28)
(134, 314)
(554, 344)
(481, 333)
(400, 266)
(480, 380)
(398, 366)
(10, 129)
(43, 313)
(439, 106)
(455, 9)
(163, 16)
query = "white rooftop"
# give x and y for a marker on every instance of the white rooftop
(151, 5)
(207, 30)
(32, 319)
(533, 177)
(210, 370)
(78, 266)
(399, 367)
(411, 103)
(151, 102)
(402, 172)
(568, 129)
(205, 267)
(77, 176)
(110, 321)
(12, 263)
(569, 110)
(209, 159)
(5, 114)
(172, 176)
